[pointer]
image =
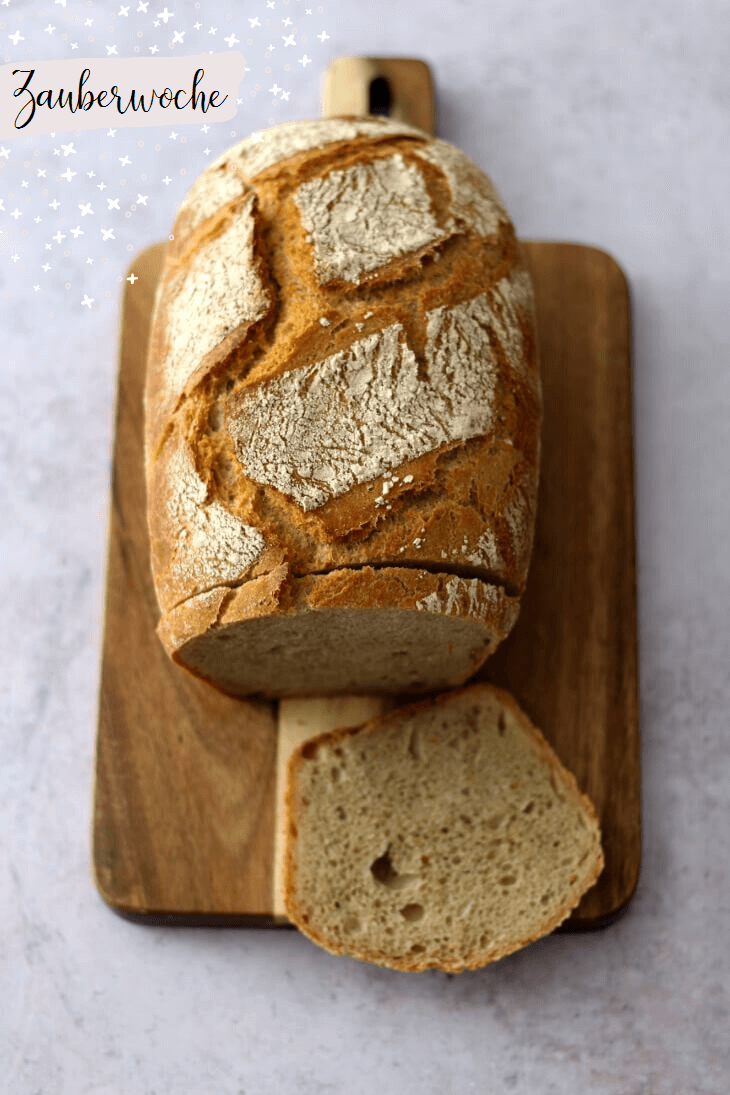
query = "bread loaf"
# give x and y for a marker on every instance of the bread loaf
(443, 835)
(343, 415)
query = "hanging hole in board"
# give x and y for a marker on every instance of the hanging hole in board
(380, 97)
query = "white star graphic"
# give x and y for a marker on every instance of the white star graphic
(88, 301)
(62, 3)
(212, 30)
(91, 174)
(76, 232)
(101, 186)
(254, 22)
(173, 136)
(58, 236)
(68, 174)
(124, 160)
(111, 132)
(36, 220)
(111, 50)
(153, 49)
(36, 287)
(206, 152)
(57, 152)
(89, 262)
(54, 205)
(68, 149)
(74, 45)
(167, 180)
(197, 26)
(123, 11)
(165, 15)
(132, 278)
(45, 268)
(49, 29)
(309, 11)
(16, 213)
(258, 138)
(108, 233)
(204, 128)
(269, 3)
(17, 37)
(231, 41)
(285, 96)
(15, 257)
(289, 41)
(24, 183)
(143, 5)
(275, 89)
(287, 21)
(271, 48)
(177, 36)
(88, 22)
(113, 203)
(142, 199)
(304, 61)
(4, 152)
(323, 36)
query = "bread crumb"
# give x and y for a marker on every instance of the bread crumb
(407, 478)
(418, 542)
(324, 322)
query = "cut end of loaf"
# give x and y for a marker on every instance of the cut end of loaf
(363, 631)
(445, 835)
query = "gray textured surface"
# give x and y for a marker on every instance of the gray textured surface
(603, 124)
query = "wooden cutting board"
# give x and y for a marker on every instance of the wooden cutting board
(185, 778)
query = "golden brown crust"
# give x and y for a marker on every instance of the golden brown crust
(442, 961)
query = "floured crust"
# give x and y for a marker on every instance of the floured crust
(303, 894)
(343, 345)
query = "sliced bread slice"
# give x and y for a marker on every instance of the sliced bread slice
(443, 835)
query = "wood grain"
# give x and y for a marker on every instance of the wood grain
(184, 796)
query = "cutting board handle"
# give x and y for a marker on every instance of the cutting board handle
(400, 87)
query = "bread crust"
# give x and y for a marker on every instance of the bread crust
(442, 961)
(335, 404)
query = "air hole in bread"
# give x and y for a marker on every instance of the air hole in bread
(412, 911)
(508, 880)
(501, 724)
(414, 747)
(529, 808)
(310, 750)
(417, 948)
(384, 872)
